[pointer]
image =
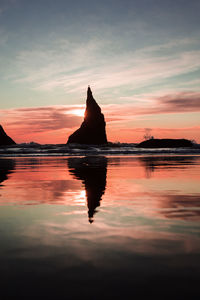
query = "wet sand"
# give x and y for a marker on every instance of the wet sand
(100, 227)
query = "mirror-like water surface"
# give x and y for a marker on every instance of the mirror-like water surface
(100, 227)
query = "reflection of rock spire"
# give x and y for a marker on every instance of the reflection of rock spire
(92, 172)
(92, 130)
(6, 167)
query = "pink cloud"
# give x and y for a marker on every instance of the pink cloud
(40, 124)
(53, 124)
(175, 103)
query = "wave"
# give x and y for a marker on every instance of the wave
(34, 149)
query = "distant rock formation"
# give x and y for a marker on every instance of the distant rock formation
(4, 138)
(165, 143)
(92, 172)
(92, 130)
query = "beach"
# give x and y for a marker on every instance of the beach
(100, 226)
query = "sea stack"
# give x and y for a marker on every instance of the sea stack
(4, 138)
(165, 143)
(92, 130)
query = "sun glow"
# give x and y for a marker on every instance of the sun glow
(78, 112)
(80, 198)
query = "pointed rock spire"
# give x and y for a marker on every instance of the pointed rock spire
(89, 92)
(92, 130)
(4, 138)
(92, 108)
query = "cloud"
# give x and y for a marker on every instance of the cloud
(181, 102)
(121, 119)
(42, 119)
(40, 123)
(71, 66)
(173, 103)
(62, 116)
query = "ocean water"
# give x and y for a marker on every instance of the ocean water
(34, 149)
(100, 227)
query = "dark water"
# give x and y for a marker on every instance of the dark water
(100, 227)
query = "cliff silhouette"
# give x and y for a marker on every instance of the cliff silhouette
(92, 172)
(92, 130)
(4, 138)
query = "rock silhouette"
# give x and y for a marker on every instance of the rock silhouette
(4, 138)
(165, 143)
(92, 172)
(92, 130)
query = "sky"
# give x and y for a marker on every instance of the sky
(140, 57)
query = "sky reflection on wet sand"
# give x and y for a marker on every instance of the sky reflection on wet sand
(144, 211)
